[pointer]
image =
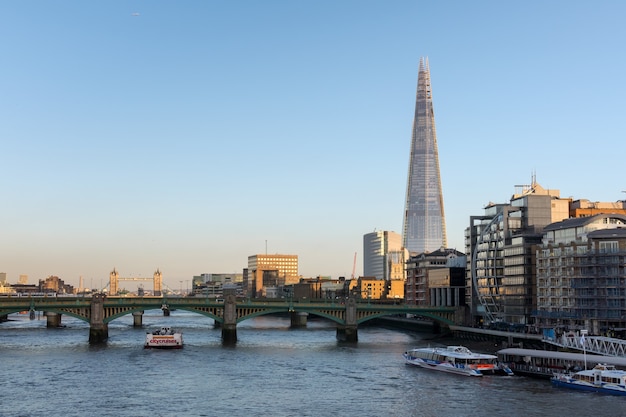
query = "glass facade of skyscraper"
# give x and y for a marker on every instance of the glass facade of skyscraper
(424, 221)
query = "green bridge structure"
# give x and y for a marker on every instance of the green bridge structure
(99, 310)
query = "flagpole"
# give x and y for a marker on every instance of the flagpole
(582, 342)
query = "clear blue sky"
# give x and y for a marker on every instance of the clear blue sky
(186, 137)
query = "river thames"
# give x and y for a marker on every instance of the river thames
(272, 371)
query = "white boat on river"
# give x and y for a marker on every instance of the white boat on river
(602, 378)
(455, 359)
(164, 338)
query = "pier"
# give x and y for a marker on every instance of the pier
(599, 345)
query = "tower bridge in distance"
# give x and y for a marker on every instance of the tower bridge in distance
(99, 310)
(157, 281)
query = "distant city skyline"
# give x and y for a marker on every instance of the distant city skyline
(187, 138)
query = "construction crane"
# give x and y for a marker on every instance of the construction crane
(354, 266)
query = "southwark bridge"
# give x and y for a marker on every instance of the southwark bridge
(99, 310)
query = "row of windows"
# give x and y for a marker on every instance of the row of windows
(611, 246)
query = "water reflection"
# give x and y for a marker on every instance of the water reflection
(271, 371)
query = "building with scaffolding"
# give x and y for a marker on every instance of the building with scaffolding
(424, 228)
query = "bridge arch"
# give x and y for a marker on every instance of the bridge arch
(76, 313)
(210, 313)
(325, 315)
(130, 310)
(126, 311)
(256, 313)
(434, 317)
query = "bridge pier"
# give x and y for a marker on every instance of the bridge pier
(298, 319)
(137, 319)
(348, 332)
(98, 329)
(229, 334)
(436, 327)
(53, 320)
(229, 327)
(166, 310)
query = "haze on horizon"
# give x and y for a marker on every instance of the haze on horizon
(185, 137)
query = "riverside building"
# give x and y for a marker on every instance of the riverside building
(436, 278)
(501, 251)
(581, 275)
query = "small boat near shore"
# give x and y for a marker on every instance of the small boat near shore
(602, 378)
(455, 359)
(164, 338)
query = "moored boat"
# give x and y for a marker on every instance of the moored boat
(545, 363)
(602, 378)
(455, 359)
(164, 338)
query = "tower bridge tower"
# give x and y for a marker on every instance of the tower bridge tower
(157, 282)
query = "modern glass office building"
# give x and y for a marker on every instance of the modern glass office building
(383, 255)
(424, 227)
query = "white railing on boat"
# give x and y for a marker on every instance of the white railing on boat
(600, 345)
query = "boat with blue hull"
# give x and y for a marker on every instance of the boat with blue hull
(602, 378)
(455, 359)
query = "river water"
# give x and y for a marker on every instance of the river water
(271, 371)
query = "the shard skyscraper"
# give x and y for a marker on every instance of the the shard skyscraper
(424, 220)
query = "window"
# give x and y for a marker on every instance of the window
(608, 246)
